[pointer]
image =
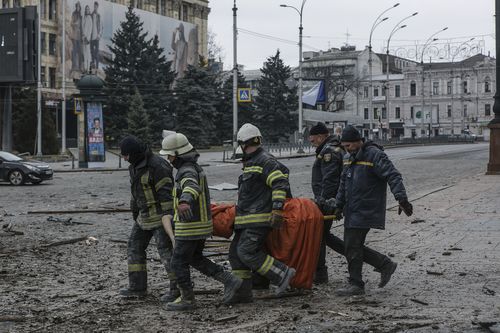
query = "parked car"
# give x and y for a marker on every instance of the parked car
(17, 171)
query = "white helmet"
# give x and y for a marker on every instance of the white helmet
(247, 132)
(175, 144)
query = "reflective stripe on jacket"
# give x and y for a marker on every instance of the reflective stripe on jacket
(151, 187)
(191, 187)
(363, 187)
(327, 168)
(262, 187)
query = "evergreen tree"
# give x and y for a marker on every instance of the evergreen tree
(157, 94)
(223, 118)
(138, 119)
(127, 69)
(195, 100)
(275, 101)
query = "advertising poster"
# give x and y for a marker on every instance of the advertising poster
(95, 133)
(90, 25)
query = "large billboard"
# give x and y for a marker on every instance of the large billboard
(90, 25)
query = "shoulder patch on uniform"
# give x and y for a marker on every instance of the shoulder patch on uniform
(337, 149)
(327, 157)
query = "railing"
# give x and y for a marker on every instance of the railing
(277, 149)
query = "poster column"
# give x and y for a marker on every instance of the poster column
(94, 135)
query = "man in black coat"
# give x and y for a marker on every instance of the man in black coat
(362, 198)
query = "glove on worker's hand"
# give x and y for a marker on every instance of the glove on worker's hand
(276, 220)
(184, 211)
(338, 214)
(406, 207)
(320, 202)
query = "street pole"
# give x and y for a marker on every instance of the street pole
(377, 21)
(431, 91)
(427, 43)
(63, 109)
(39, 85)
(494, 125)
(300, 131)
(235, 81)
(396, 28)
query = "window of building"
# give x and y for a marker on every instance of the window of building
(339, 88)
(52, 77)
(140, 4)
(52, 44)
(43, 43)
(366, 113)
(375, 113)
(5, 3)
(163, 6)
(449, 111)
(464, 84)
(17, 3)
(339, 105)
(375, 91)
(487, 109)
(185, 13)
(52, 9)
(43, 9)
(448, 87)
(413, 88)
(365, 92)
(384, 113)
(412, 112)
(43, 77)
(384, 90)
(397, 90)
(398, 112)
(435, 88)
(465, 110)
(487, 87)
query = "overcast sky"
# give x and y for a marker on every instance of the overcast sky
(326, 23)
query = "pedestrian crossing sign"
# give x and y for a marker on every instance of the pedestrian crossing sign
(244, 95)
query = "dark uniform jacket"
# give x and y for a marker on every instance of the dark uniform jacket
(327, 168)
(262, 187)
(363, 187)
(151, 187)
(191, 187)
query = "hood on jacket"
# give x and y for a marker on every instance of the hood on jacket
(191, 156)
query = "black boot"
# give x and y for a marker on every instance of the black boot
(259, 282)
(386, 272)
(172, 294)
(185, 302)
(321, 275)
(231, 284)
(289, 274)
(350, 290)
(138, 283)
(242, 295)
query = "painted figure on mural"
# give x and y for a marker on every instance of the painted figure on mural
(97, 29)
(180, 47)
(86, 38)
(76, 38)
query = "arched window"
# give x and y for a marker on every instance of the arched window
(487, 86)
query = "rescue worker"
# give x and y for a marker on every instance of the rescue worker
(192, 223)
(362, 197)
(151, 186)
(326, 172)
(327, 169)
(262, 190)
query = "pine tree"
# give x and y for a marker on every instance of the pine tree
(223, 118)
(275, 101)
(195, 98)
(157, 94)
(138, 119)
(125, 71)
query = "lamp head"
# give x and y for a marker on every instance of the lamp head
(414, 14)
(396, 5)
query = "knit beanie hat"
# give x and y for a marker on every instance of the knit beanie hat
(350, 134)
(319, 128)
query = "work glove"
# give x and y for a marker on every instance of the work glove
(320, 202)
(184, 211)
(406, 207)
(276, 220)
(338, 214)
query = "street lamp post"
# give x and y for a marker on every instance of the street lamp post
(300, 131)
(396, 28)
(494, 125)
(377, 21)
(427, 43)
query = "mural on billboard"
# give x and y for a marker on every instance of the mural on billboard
(90, 25)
